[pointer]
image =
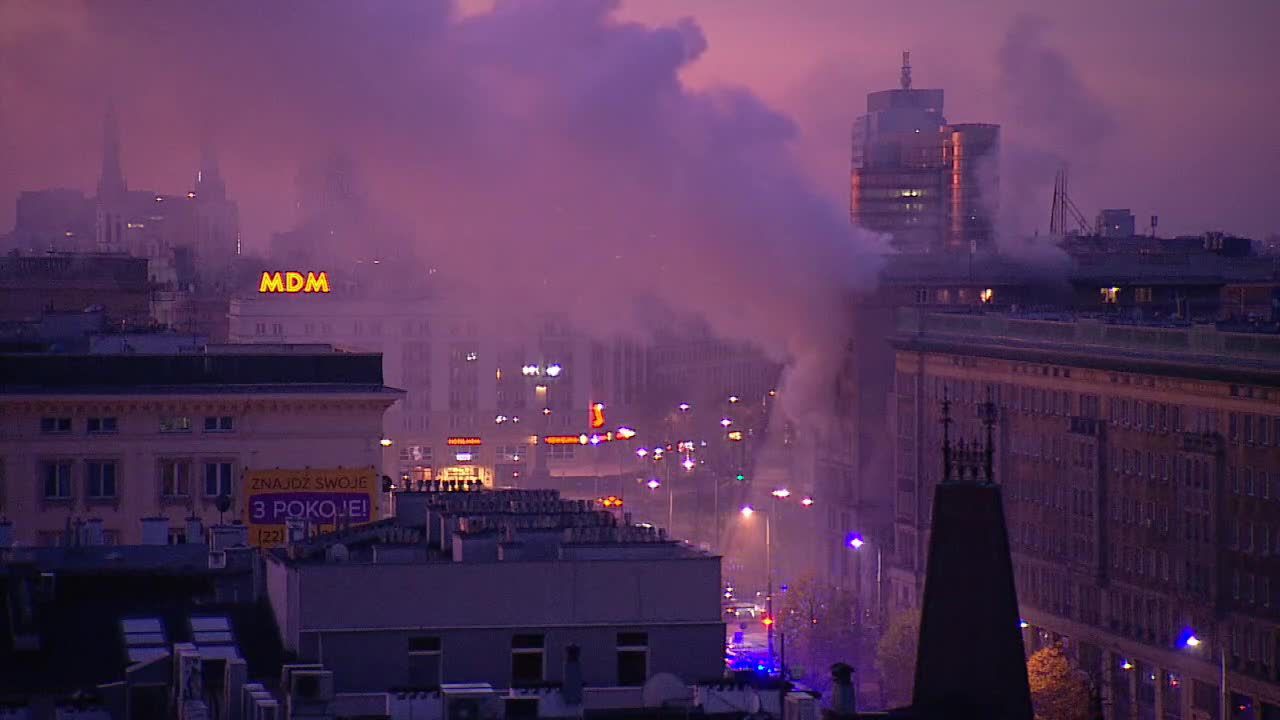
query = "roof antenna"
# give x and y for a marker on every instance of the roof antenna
(906, 69)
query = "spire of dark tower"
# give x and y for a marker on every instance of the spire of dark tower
(209, 182)
(111, 182)
(970, 662)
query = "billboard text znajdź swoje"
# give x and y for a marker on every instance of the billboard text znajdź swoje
(323, 496)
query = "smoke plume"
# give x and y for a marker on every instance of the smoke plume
(544, 153)
(1050, 120)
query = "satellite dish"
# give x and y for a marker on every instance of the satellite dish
(664, 689)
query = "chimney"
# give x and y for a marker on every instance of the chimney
(844, 702)
(571, 688)
(195, 529)
(6, 534)
(91, 532)
(155, 530)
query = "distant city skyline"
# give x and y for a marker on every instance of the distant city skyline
(1176, 92)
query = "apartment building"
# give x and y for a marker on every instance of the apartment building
(127, 437)
(1141, 467)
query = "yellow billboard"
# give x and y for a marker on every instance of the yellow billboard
(324, 497)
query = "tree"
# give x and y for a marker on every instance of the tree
(896, 657)
(816, 621)
(1059, 691)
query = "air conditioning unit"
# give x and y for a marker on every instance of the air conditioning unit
(217, 559)
(470, 701)
(311, 686)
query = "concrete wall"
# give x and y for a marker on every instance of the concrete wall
(357, 618)
(377, 660)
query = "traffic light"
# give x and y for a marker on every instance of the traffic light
(740, 477)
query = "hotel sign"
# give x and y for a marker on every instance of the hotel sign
(463, 441)
(292, 282)
(322, 497)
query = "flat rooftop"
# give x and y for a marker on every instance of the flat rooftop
(189, 373)
(1197, 351)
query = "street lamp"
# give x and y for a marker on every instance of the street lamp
(856, 541)
(747, 512)
(1193, 642)
(781, 493)
(385, 442)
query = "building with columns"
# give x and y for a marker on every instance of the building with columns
(1141, 475)
(127, 438)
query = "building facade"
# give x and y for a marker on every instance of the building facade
(123, 438)
(498, 386)
(932, 186)
(1141, 468)
(528, 574)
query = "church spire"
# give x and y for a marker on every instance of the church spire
(111, 182)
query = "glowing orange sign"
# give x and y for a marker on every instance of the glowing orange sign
(463, 441)
(612, 501)
(564, 440)
(293, 282)
(597, 415)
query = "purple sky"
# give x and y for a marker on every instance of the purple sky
(1164, 106)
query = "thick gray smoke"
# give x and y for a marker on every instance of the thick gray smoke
(1050, 119)
(544, 152)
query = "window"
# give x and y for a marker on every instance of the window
(222, 423)
(101, 479)
(1142, 294)
(425, 662)
(633, 658)
(102, 425)
(56, 477)
(260, 329)
(177, 536)
(277, 329)
(217, 478)
(175, 478)
(55, 425)
(560, 452)
(175, 424)
(526, 659)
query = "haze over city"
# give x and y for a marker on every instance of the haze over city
(614, 359)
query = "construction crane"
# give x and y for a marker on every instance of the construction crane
(1064, 209)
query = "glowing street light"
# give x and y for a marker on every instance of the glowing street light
(500, 419)
(1126, 665)
(654, 484)
(807, 502)
(684, 407)
(1192, 641)
(733, 398)
(385, 442)
(625, 433)
(642, 452)
(1023, 624)
(747, 511)
(529, 370)
(688, 463)
(856, 542)
(554, 370)
(781, 493)
(546, 411)
(725, 422)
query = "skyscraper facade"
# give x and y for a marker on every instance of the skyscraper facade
(929, 185)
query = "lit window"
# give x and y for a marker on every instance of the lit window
(221, 423)
(1110, 296)
(176, 424)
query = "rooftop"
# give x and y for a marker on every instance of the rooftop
(1194, 351)
(489, 526)
(191, 373)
